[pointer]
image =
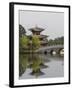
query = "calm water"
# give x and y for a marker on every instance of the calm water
(40, 66)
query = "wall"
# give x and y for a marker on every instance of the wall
(4, 44)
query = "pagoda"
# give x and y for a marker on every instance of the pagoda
(37, 31)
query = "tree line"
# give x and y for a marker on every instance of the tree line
(56, 41)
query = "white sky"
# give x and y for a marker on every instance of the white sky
(52, 22)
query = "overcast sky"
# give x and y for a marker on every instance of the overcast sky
(52, 22)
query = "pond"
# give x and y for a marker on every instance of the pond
(40, 66)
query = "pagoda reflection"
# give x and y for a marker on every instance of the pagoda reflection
(34, 62)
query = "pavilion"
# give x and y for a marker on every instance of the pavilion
(37, 31)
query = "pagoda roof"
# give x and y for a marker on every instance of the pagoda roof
(36, 29)
(43, 36)
(40, 36)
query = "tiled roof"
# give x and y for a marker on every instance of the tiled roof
(40, 36)
(36, 29)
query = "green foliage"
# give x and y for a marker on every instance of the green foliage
(24, 41)
(56, 41)
(35, 42)
(21, 31)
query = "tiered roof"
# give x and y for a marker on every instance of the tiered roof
(36, 29)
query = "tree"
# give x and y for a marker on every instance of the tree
(21, 31)
(35, 42)
(24, 41)
(56, 41)
(50, 42)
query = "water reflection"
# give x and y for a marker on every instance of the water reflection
(23, 63)
(32, 61)
(37, 65)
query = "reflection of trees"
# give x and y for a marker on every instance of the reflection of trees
(37, 65)
(34, 62)
(23, 63)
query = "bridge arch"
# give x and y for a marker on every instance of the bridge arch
(61, 51)
(53, 51)
(45, 52)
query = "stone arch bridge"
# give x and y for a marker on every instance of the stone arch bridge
(50, 49)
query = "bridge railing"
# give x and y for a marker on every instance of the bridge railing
(50, 47)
